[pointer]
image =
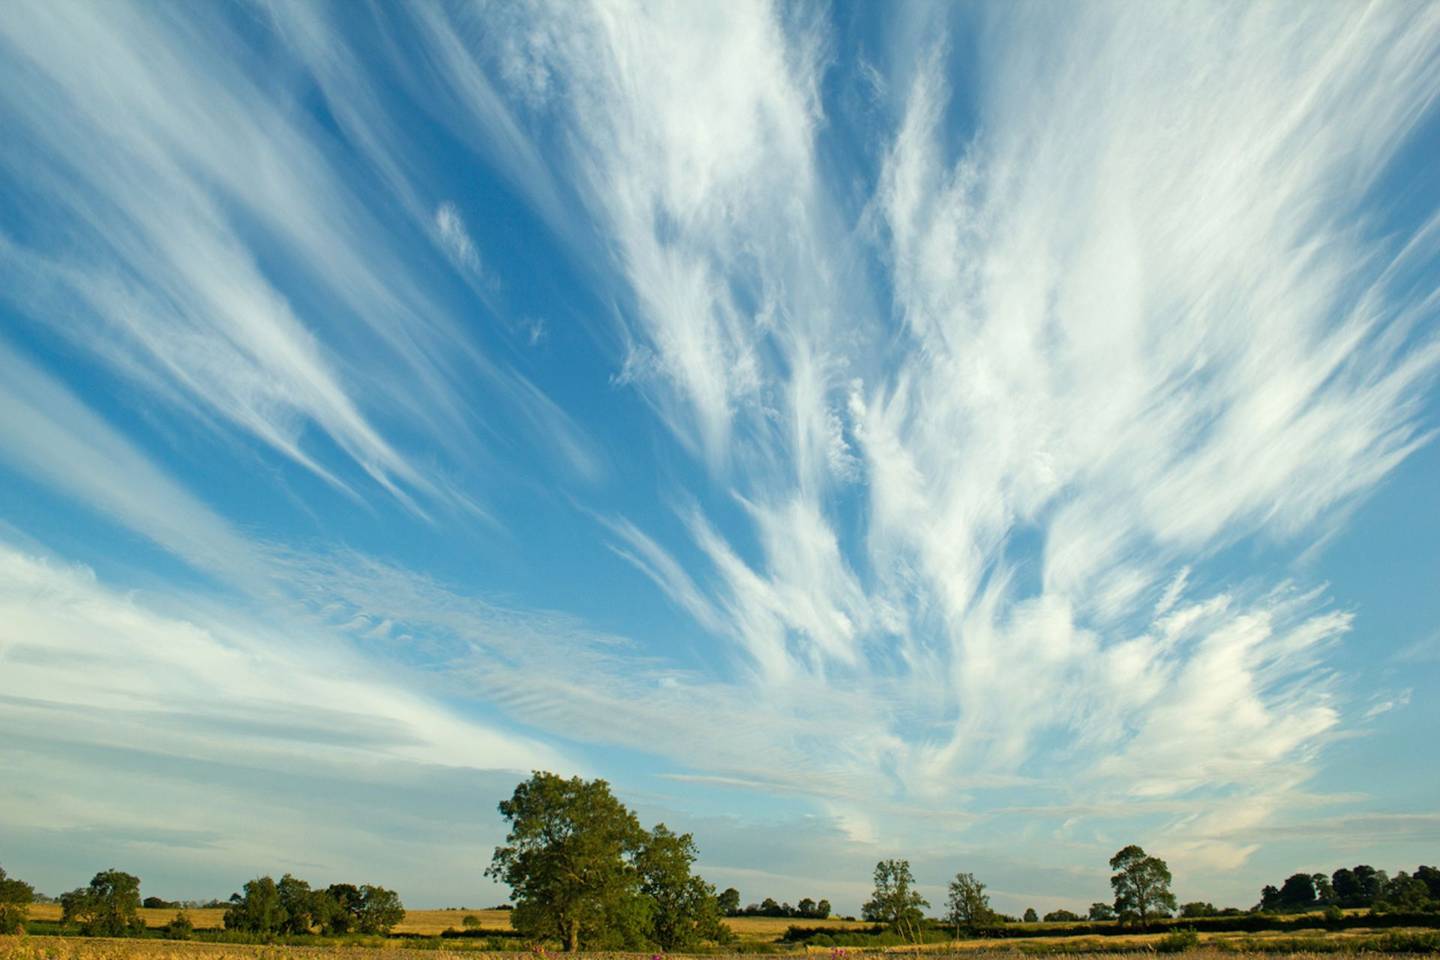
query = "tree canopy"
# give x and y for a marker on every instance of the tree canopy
(968, 905)
(293, 907)
(895, 902)
(1141, 884)
(15, 899)
(582, 870)
(684, 911)
(108, 907)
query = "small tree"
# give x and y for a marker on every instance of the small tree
(15, 899)
(1061, 916)
(108, 907)
(1141, 884)
(822, 909)
(1031, 916)
(968, 906)
(729, 901)
(683, 908)
(180, 928)
(1101, 911)
(895, 902)
(471, 922)
(1297, 892)
(380, 910)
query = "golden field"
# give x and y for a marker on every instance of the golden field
(434, 922)
(75, 948)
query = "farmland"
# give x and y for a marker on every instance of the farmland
(1248, 948)
(432, 923)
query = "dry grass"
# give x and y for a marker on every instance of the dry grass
(434, 922)
(424, 922)
(72, 948)
(770, 929)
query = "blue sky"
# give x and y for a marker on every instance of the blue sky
(987, 435)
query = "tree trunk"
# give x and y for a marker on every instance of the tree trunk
(572, 939)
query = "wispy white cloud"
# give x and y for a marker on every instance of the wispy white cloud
(456, 239)
(1131, 342)
(165, 259)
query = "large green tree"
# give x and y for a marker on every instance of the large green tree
(15, 899)
(684, 911)
(568, 860)
(257, 909)
(968, 905)
(108, 907)
(895, 902)
(1141, 884)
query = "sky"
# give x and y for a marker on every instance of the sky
(987, 434)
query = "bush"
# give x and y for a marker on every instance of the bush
(1178, 941)
(180, 928)
(471, 922)
(15, 899)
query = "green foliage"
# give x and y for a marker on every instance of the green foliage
(684, 910)
(180, 928)
(968, 906)
(15, 899)
(1101, 911)
(341, 908)
(895, 902)
(298, 905)
(1062, 916)
(108, 907)
(1198, 908)
(1031, 916)
(471, 922)
(567, 861)
(1141, 884)
(257, 909)
(379, 910)
(1297, 892)
(1178, 941)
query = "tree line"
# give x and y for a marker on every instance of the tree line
(806, 909)
(109, 906)
(1358, 886)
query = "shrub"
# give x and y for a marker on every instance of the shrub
(1178, 941)
(180, 928)
(15, 899)
(471, 922)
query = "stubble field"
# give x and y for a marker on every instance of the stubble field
(72, 948)
(432, 923)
